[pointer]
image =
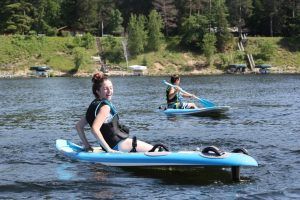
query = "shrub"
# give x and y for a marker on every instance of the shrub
(267, 50)
(80, 57)
(113, 50)
(225, 60)
(144, 61)
(209, 48)
(51, 32)
(87, 41)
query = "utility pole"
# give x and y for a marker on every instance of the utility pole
(240, 19)
(209, 15)
(102, 28)
(271, 25)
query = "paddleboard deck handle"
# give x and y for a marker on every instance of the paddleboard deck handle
(213, 149)
(240, 150)
(160, 147)
(134, 145)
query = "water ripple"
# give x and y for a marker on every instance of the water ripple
(263, 119)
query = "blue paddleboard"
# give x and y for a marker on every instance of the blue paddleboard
(152, 159)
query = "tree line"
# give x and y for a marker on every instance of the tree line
(261, 17)
(198, 23)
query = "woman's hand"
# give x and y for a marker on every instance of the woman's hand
(88, 149)
(113, 151)
(177, 88)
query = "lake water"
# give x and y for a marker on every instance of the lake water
(264, 119)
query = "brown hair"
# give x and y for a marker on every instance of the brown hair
(98, 79)
(174, 78)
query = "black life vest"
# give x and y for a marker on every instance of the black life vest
(113, 132)
(175, 99)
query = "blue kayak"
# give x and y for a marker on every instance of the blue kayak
(207, 111)
(148, 159)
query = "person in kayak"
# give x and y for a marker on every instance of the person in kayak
(175, 96)
(103, 119)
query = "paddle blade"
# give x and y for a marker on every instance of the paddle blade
(207, 103)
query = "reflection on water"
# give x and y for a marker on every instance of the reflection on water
(192, 176)
(64, 172)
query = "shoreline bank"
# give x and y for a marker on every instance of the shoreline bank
(25, 74)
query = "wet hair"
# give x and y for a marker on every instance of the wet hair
(174, 78)
(98, 79)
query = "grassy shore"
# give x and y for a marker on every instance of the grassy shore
(67, 58)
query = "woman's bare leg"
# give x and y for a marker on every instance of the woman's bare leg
(126, 146)
(192, 105)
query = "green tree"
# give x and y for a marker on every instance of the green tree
(272, 8)
(104, 9)
(155, 35)
(69, 12)
(136, 34)
(87, 15)
(257, 22)
(193, 29)
(112, 49)
(128, 7)
(289, 20)
(168, 11)
(191, 7)
(47, 15)
(221, 24)
(239, 12)
(209, 41)
(268, 17)
(18, 17)
(115, 21)
(82, 15)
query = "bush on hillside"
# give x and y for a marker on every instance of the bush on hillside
(86, 41)
(80, 57)
(51, 32)
(113, 50)
(267, 50)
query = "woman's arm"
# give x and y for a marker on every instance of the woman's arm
(99, 120)
(188, 95)
(80, 130)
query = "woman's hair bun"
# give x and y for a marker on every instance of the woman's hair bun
(98, 77)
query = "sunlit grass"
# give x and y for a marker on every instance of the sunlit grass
(57, 52)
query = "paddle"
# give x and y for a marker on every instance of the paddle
(204, 102)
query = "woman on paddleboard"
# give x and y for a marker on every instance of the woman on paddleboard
(175, 97)
(103, 119)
